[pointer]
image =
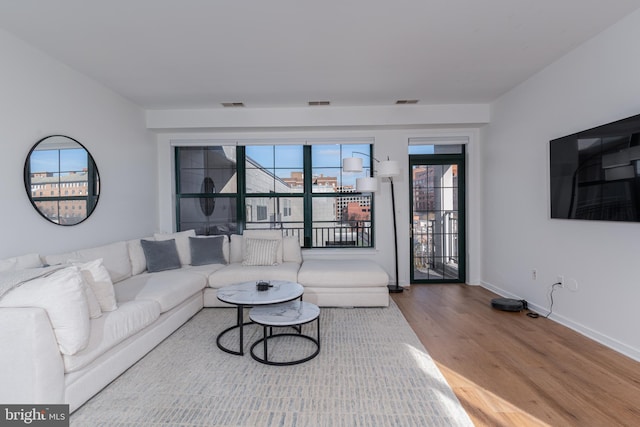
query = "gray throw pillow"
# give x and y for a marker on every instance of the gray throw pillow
(161, 255)
(207, 250)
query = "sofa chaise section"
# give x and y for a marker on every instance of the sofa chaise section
(344, 283)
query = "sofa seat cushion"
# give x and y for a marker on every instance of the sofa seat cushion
(112, 328)
(237, 273)
(167, 288)
(342, 273)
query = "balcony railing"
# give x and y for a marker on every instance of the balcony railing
(324, 233)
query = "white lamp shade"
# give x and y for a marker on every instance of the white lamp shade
(388, 168)
(352, 164)
(367, 185)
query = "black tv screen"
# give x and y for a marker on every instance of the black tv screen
(595, 174)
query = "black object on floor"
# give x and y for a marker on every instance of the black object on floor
(508, 304)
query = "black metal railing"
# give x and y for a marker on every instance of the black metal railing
(324, 233)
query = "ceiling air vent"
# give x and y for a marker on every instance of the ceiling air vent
(406, 101)
(314, 103)
(233, 104)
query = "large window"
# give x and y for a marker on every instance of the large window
(207, 189)
(300, 189)
(274, 188)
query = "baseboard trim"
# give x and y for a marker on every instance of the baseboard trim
(603, 339)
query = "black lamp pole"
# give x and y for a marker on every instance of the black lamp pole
(394, 288)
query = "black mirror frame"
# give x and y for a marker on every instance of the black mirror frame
(93, 181)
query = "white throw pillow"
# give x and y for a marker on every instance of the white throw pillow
(182, 243)
(136, 255)
(260, 252)
(265, 234)
(62, 295)
(95, 310)
(98, 278)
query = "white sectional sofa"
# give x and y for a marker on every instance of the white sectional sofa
(49, 356)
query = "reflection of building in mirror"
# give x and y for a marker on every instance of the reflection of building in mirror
(62, 180)
(61, 187)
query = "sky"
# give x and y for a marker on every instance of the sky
(58, 160)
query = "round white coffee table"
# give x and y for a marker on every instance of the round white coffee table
(292, 313)
(247, 295)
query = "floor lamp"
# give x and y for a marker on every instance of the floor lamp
(385, 169)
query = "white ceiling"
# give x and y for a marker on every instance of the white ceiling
(200, 53)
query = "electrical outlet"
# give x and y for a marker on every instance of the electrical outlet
(534, 274)
(560, 279)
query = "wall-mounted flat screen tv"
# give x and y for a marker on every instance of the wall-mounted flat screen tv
(595, 174)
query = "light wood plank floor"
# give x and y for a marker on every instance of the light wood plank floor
(508, 369)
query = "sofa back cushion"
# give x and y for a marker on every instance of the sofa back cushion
(21, 262)
(235, 248)
(182, 243)
(291, 251)
(115, 258)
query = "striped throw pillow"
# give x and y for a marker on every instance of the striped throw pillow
(260, 252)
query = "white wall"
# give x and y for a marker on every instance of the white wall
(40, 97)
(597, 83)
(399, 124)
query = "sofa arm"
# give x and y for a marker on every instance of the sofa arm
(31, 367)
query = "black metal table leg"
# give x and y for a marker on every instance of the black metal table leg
(240, 323)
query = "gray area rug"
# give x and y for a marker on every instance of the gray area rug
(372, 370)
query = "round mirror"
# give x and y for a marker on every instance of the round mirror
(61, 180)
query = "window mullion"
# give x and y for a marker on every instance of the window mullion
(242, 188)
(176, 152)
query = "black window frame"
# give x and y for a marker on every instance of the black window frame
(307, 196)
